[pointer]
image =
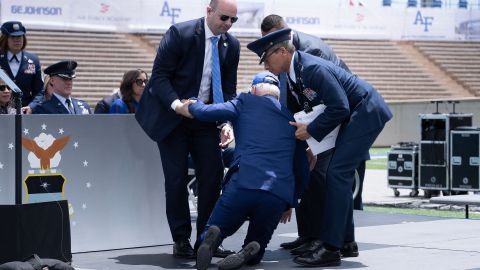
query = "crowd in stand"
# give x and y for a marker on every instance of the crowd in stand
(52, 94)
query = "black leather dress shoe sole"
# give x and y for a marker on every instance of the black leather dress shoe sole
(349, 250)
(222, 252)
(307, 247)
(183, 250)
(321, 257)
(239, 259)
(205, 250)
(296, 243)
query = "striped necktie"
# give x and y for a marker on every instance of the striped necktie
(216, 77)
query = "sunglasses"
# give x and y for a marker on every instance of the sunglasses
(223, 18)
(140, 82)
(4, 87)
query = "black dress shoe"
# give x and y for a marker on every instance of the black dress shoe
(307, 247)
(320, 257)
(349, 249)
(240, 258)
(183, 249)
(222, 252)
(206, 248)
(295, 243)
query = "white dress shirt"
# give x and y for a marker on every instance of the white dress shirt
(206, 82)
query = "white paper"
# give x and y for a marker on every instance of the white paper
(328, 142)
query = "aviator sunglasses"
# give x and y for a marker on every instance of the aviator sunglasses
(223, 18)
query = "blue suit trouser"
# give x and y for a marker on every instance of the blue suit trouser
(263, 208)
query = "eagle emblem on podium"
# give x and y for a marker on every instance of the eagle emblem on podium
(46, 183)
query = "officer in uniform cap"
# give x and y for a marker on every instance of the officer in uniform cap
(350, 102)
(22, 67)
(61, 80)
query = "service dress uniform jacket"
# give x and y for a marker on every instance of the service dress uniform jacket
(309, 212)
(54, 106)
(265, 181)
(28, 78)
(362, 113)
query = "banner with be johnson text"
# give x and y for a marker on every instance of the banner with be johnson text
(349, 19)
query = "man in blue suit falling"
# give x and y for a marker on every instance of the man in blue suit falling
(262, 183)
(350, 102)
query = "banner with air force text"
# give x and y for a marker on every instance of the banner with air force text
(362, 19)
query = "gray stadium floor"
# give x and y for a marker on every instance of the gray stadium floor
(386, 241)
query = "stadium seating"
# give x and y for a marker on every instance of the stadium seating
(397, 73)
(461, 60)
(102, 58)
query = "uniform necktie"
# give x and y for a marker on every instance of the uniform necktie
(216, 77)
(14, 57)
(69, 106)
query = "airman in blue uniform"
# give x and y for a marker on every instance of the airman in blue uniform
(350, 102)
(21, 66)
(61, 102)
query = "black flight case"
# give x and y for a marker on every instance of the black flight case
(465, 159)
(434, 152)
(403, 168)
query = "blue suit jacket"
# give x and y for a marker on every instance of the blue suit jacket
(316, 46)
(177, 73)
(265, 145)
(28, 79)
(54, 106)
(349, 99)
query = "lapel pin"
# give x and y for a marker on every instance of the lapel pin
(225, 44)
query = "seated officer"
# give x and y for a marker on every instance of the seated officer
(262, 183)
(61, 81)
(350, 102)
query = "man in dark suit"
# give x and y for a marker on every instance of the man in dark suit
(309, 212)
(197, 58)
(21, 66)
(261, 182)
(350, 102)
(61, 80)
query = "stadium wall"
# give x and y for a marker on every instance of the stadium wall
(405, 125)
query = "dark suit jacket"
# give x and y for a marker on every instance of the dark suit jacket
(177, 73)
(349, 99)
(265, 145)
(28, 79)
(54, 106)
(316, 46)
